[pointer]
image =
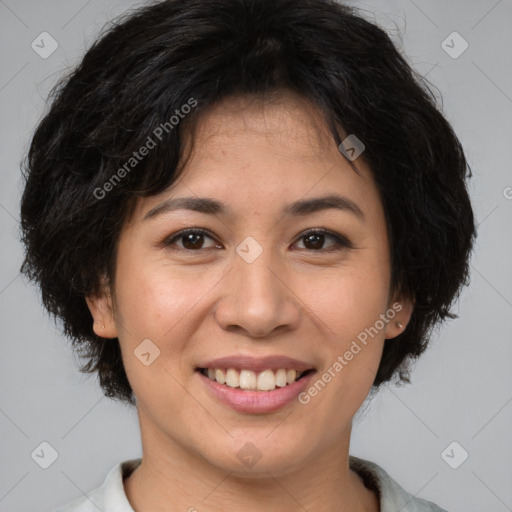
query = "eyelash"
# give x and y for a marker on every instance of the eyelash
(341, 241)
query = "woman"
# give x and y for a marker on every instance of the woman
(248, 215)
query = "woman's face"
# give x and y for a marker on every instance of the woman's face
(256, 286)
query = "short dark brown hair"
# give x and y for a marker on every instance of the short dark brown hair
(153, 61)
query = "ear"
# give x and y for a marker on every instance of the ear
(102, 311)
(403, 308)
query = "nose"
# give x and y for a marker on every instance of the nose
(257, 301)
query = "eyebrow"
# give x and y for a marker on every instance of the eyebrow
(298, 208)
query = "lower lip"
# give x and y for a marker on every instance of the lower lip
(256, 402)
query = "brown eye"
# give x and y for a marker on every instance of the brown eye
(314, 240)
(191, 239)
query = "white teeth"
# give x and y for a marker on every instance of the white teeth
(220, 376)
(232, 378)
(247, 379)
(266, 380)
(281, 378)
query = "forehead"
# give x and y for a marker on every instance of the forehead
(285, 121)
(247, 150)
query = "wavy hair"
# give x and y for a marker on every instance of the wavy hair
(150, 62)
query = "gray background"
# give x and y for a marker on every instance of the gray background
(461, 389)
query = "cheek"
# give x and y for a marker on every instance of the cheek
(351, 299)
(162, 303)
(151, 309)
(153, 297)
(351, 303)
(350, 307)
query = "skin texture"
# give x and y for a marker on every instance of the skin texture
(294, 299)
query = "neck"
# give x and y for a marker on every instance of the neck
(176, 478)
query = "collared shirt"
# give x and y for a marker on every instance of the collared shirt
(111, 497)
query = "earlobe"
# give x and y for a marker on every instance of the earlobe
(403, 313)
(101, 310)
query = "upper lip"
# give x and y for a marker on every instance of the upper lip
(257, 364)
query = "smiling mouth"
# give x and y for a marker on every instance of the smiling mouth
(248, 380)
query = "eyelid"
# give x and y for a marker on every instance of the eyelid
(341, 240)
(169, 239)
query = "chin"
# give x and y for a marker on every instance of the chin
(257, 456)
